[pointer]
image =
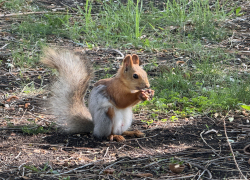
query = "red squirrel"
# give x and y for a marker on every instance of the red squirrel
(109, 113)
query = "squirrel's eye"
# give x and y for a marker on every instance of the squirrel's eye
(135, 76)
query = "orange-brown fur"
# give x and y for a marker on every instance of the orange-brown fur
(119, 88)
(120, 96)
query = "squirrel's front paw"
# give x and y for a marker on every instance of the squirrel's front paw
(146, 94)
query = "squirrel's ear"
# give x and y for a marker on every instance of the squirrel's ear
(127, 62)
(135, 59)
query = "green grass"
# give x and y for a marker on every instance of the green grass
(206, 89)
(16, 6)
(33, 128)
(210, 85)
(119, 25)
(129, 26)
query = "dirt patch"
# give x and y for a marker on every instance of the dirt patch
(200, 143)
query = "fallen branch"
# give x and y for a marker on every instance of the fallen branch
(111, 165)
(19, 14)
(106, 152)
(231, 148)
(18, 155)
(119, 52)
(76, 168)
(143, 147)
(245, 149)
(4, 46)
(11, 129)
(155, 162)
(214, 151)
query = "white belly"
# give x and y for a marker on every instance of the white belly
(122, 120)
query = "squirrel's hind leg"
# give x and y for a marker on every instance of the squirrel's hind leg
(102, 126)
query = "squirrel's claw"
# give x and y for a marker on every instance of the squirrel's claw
(143, 96)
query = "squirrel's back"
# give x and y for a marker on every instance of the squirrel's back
(67, 103)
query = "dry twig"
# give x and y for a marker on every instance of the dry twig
(77, 168)
(119, 52)
(4, 46)
(143, 147)
(225, 129)
(19, 14)
(111, 165)
(106, 152)
(214, 151)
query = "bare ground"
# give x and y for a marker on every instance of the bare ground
(200, 142)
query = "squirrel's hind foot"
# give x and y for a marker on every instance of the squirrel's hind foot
(118, 138)
(135, 133)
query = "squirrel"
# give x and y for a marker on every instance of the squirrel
(109, 113)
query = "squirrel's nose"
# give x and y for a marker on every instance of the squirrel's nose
(147, 86)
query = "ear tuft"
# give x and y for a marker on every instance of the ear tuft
(127, 61)
(135, 59)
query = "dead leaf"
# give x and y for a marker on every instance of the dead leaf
(54, 148)
(216, 115)
(109, 171)
(43, 151)
(47, 124)
(26, 105)
(144, 175)
(66, 163)
(11, 98)
(231, 119)
(244, 113)
(37, 151)
(25, 177)
(180, 62)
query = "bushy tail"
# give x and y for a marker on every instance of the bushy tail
(69, 90)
